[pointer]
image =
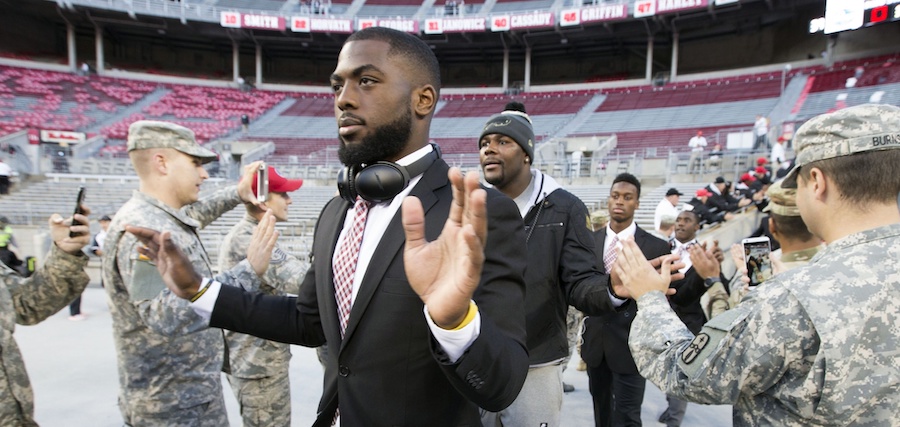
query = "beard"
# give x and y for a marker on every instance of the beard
(386, 142)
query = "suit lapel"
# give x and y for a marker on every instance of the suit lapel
(331, 222)
(389, 248)
(601, 243)
(640, 236)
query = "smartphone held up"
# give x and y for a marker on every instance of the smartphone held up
(757, 258)
(78, 210)
(262, 183)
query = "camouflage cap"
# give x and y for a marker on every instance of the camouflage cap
(867, 127)
(599, 216)
(782, 201)
(144, 134)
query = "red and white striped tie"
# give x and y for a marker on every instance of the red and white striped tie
(344, 266)
(610, 256)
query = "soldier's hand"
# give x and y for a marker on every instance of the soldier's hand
(639, 276)
(173, 265)
(60, 230)
(244, 189)
(262, 242)
(622, 291)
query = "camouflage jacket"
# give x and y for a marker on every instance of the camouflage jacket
(28, 301)
(817, 345)
(249, 356)
(167, 356)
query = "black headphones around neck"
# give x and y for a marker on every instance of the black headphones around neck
(381, 181)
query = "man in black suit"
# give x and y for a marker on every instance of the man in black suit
(686, 301)
(615, 384)
(420, 346)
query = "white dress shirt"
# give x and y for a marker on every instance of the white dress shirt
(627, 233)
(681, 249)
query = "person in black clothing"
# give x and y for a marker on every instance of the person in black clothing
(720, 198)
(561, 263)
(686, 301)
(707, 214)
(617, 388)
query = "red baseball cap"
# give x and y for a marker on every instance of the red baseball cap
(703, 193)
(761, 169)
(277, 183)
(747, 178)
(761, 161)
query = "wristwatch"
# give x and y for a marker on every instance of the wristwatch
(711, 281)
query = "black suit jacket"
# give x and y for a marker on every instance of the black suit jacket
(606, 336)
(388, 370)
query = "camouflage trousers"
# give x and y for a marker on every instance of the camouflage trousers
(264, 401)
(209, 414)
(574, 322)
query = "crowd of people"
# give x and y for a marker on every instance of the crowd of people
(436, 300)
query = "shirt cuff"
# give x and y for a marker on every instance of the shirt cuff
(204, 305)
(454, 342)
(616, 302)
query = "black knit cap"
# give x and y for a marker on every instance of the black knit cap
(515, 123)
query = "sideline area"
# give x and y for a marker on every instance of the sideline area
(72, 366)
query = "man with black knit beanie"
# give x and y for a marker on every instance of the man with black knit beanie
(561, 264)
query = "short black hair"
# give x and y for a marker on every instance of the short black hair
(630, 179)
(696, 215)
(407, 45)
(792, 227)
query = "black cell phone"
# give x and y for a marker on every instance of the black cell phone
(78, 210)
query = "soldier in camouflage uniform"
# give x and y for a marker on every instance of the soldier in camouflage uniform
(28, 301)
(817, 345)
(169, 362)
(798, 246)
(258, 368)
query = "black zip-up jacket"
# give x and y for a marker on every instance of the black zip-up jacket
(561, 271)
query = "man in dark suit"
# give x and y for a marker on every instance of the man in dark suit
(420, 346)
(686, 301)
(615, 384)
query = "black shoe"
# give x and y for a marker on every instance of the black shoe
(568, 388)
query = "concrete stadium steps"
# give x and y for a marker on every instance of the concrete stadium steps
(296, 127)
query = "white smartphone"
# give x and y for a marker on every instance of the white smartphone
(757, 259)
(262, 183)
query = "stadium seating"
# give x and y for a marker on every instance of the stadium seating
(712, 91)
(210, 112)
(40, 99)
